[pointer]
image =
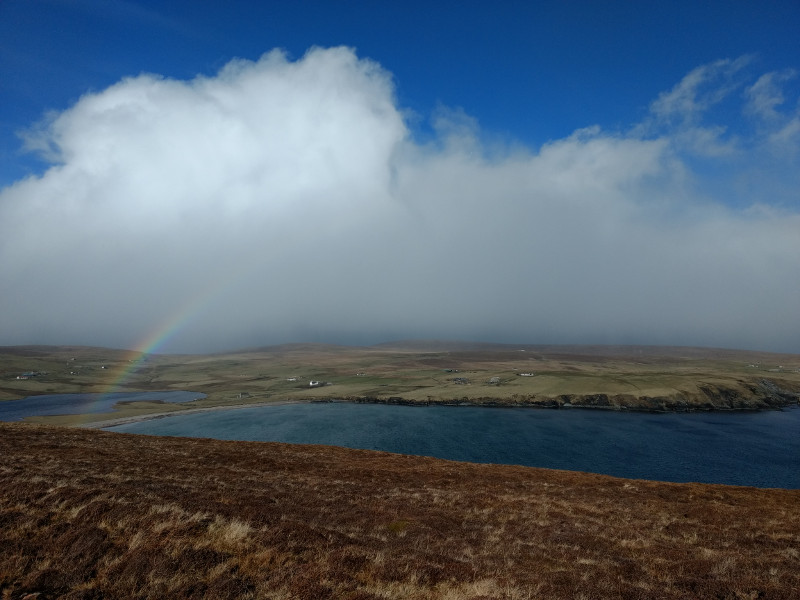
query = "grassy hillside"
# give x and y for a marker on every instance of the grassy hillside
(642, 378)
(87, 514)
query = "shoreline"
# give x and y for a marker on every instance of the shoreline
(108, 423)
(126, 420)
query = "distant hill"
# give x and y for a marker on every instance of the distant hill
(651, 378)
(41, 350)
(300, 347)
(431, 346)
(573, 349)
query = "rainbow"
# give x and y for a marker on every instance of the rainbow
(151, 344)
(160, 335)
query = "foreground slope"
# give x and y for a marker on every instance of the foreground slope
(90, 514)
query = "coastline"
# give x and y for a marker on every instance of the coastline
(552, 404)
(629, 379)
(105, 424)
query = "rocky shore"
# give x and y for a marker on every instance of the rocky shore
(763, 394)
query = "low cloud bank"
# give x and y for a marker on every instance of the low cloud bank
(286, 201)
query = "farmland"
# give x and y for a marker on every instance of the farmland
(611, 377)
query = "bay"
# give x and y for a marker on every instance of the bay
(753, 448)
(81, 404)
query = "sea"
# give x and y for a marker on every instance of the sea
(760, 449)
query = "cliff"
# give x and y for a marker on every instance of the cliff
(763, 394)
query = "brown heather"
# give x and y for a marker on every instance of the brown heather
(91, 514)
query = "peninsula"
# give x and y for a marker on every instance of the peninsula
(642, 378)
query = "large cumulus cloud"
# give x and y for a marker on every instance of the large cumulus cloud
(287, 200)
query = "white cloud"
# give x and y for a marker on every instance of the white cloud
(701, 89)
(786, 140)
(284, 200)
(766, 94)
(778, 124)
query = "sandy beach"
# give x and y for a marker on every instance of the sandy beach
(105, 424)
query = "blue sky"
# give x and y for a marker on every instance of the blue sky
(528, 71)
(624, 172)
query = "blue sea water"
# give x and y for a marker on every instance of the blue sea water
(76, 404)
(745, 448)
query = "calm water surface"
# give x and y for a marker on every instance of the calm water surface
(759, 448)
(81, 404)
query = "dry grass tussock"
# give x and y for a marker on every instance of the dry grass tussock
(88, 515)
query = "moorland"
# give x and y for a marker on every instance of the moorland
(610, 377)
(87, 514)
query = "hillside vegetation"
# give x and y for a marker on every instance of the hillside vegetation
(88, 514)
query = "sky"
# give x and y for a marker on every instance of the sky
(196, 176)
